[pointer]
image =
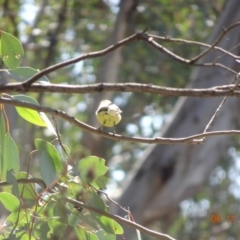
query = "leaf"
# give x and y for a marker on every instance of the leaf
(23, 216)
(27, 190)
(101, 182)
(73, 220)
(102, 235)
(94, 200)
(32, 116)
(2, 138)
(29, 115)
(108, 224)
(86, 219)
(85, 235)
(48, 123)
(12, 180)
(25, 236)
(11, 50)
(10, 157)
(50, 161)
(24, 73)
(43, 230)
(60, 212)
(90, 168)
(9, 201)
(57, 228)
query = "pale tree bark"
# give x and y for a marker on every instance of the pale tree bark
(166, 175)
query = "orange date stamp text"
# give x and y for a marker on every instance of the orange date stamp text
(217, 218)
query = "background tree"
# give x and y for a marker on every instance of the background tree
(178, 172)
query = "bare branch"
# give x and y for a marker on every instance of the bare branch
(210, 47)
(194, 139)
(180, 59)
(50, 69)
(215, 115)
(142, 36)
(216, 41)
(201, 44)
(217, 91)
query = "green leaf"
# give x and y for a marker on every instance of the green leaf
(90, 168)
(9, 201)
(101, 182)
(49, 209)
(2, 139)
(11, 50)
(108, 224)
(57, 228)
(60, 211)
(10, 157)
(24, 73)
(21, 217)
(32, 116)
(43, 230)
(50, 161)
(94, 200)
(25, 236)
(27, 190)
(12, 180)
(12, 237)
(73, 220)
(85, 235)
(86, 218)
(29, 115)
(102, 235)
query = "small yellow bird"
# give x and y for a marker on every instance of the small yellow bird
(108, 114)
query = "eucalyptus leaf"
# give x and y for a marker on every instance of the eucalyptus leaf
(9, 201)
(11, 50)
(50, 161)
(90, 168)
(21, 74)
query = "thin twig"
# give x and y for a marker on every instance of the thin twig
(215, 115)
(59, 136)
(111, 200)
(179, 58)
(216, 41)
(120, 219)
(184, 41)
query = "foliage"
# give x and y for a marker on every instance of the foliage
(35, 207)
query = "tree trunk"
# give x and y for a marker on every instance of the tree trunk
(169, 174)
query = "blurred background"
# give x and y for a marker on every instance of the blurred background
(186, 191)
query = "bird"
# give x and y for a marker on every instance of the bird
(108, 114)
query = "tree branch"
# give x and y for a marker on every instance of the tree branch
(119, 219)
(225, 90)
(193, 139)
(26, 181)
(201, 44)
(143, 36)
(50, 69)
